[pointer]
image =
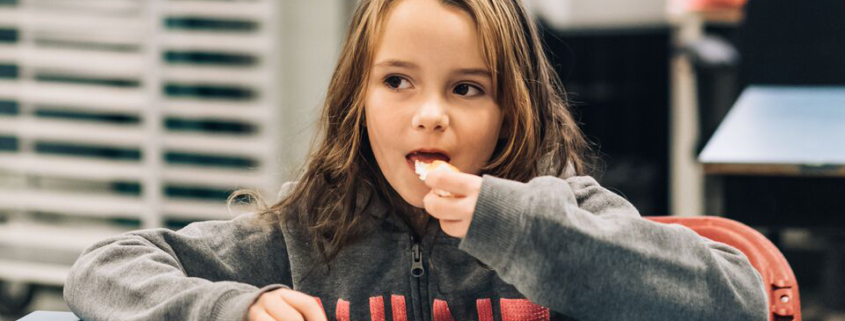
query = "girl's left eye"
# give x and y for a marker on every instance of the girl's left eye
(467, 90)
(396, 83)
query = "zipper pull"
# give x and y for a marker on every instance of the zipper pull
(417, 269)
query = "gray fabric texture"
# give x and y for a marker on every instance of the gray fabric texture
(566, 244)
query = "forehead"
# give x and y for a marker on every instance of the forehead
(429, 33)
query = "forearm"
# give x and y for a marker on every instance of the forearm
(201, 272)
(607, 263)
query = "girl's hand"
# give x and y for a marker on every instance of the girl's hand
(454, 213)
(286, 305)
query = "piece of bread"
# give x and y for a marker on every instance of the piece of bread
(422, 169)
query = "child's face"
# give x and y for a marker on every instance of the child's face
(429, 90)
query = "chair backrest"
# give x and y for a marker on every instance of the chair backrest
(784, 301)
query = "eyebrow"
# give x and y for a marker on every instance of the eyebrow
(410, 65)
(397, 63)
(475, 72)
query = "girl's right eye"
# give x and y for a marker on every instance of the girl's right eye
(397, 83)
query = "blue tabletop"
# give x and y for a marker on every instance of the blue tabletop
(802, 126)
(50, 316)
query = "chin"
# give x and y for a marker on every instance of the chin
(413, 194)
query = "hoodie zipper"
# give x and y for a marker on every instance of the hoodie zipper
(417, 271)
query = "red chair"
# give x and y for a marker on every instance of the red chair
(780, 282)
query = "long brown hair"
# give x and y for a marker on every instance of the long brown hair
(540, 134)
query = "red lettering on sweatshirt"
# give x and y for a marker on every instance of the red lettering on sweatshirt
(377, 308)
(523, 310)
(397, 302)
(485, 309)
(511, 309)
(342, 311)
(441, 311)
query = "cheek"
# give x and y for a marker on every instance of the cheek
(485, 127)
(384, 127)
(495, 125)
(379, 125)
(477, 131)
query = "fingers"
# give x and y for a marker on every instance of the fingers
(278, 308)
(447, 208)
(442, 208)
(305, 304)
(286, 305)
(455, 228)
(257, 313)
(453, 182)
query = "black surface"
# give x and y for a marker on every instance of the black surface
(762, 201)
(9, 107)
(618, 81)
(794, 42)
(9, 35)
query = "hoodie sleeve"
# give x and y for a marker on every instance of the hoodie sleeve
(210, 270)
(581, 250)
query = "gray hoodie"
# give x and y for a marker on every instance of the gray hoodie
(549, 249)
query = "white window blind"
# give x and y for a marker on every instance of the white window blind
(124, 114)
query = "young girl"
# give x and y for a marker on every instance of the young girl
(361, 237)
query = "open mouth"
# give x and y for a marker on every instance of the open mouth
(426, 156)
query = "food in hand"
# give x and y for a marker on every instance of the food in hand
(422, 169)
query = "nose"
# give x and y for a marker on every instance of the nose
(431, 116)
